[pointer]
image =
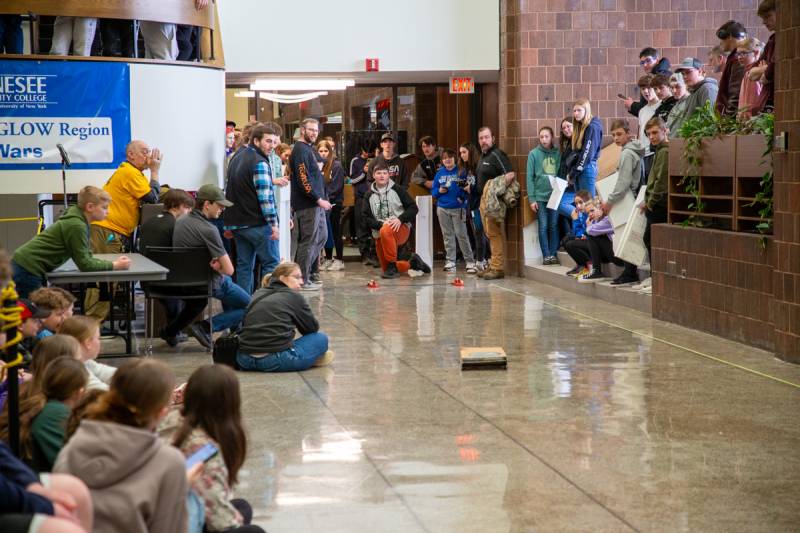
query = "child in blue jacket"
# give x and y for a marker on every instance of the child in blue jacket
(452, 203)
(576, 243)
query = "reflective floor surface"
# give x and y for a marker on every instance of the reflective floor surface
(605, 420)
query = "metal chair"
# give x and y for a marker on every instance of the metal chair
(189, 271)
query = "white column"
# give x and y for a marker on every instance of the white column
(283, 196)
(424, 224)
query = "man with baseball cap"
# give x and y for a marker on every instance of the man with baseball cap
(196, 230)
(397, 169)
(701, 90)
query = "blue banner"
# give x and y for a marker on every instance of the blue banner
(82, 105)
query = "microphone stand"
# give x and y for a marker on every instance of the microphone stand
(64, 180)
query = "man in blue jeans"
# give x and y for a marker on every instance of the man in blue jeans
(253, 216)
(196, 230)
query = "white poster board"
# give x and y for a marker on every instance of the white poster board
(283, 196)
(620, 211)
(629, 245)
(559, 186)
(424, 231)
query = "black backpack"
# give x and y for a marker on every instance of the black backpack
(227, 346)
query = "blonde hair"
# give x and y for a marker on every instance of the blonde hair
(92, 195)
(81, 327)
(284, 269)
(751, 44)
(579, 128)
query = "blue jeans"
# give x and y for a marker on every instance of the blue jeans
(11, 41)
(25, 282)
(567, 205)
(234, 302)
(251, 243)
(548, 229)
(300, 356)
(587, 178)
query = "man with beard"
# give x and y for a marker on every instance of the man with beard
(308, 201)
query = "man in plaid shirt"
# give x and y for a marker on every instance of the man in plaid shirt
(253, 218)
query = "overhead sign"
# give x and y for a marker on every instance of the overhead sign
(463, 85)
(83, 105)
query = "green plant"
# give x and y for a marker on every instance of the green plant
(705, 124)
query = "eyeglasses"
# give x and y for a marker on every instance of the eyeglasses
(647, 61)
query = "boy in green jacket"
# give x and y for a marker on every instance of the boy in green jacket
(655, 196)
(67, 238)
(543, 163)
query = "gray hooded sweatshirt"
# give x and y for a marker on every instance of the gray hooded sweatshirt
(630, 170)
(137, 482)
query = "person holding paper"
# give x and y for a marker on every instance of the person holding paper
(543, 164)
(629, 179)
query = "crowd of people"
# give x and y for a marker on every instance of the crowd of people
(118, 37)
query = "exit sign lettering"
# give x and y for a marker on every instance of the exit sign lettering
(462, 85)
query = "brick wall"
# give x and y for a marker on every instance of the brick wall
(786, 277)
(715, 281)
(556, 51)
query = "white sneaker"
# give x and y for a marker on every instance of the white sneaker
(326, 264)
(647, 290)
(415, 273)
(643, 284)
(336, 265)
(449, 266)
(471, 268)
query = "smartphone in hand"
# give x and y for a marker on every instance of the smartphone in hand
(622, 96)
(202, 455)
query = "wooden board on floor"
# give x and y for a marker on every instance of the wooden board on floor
(483, 357)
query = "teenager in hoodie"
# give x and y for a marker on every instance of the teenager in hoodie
(389, 212)
(660, 84)
(138, 483)
(267, 340)
(67, 238)
(629, 178)
(651, 64)
(587, 138)
(452, 204)
(648, 111)
(543, 164)
(701, 89)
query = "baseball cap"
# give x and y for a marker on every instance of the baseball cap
(211, 193)
(689, 62)
(388, 135)
(31, 310)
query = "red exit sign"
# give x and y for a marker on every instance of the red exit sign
(465, 85)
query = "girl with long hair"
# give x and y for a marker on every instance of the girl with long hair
(211, 414)
(468, 156)
(137, 482)
(86, 331)
(333, 172)
(587, 138)
(543, 164)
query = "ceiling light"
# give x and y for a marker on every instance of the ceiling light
(291, 98)
(302, 84)
(244, 94)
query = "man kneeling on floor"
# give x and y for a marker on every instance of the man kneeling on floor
(389, 212)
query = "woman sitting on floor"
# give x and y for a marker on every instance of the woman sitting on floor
(266, 341)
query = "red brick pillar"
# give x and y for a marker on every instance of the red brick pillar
(786, 277)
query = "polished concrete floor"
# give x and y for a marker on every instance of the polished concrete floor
(605, 420)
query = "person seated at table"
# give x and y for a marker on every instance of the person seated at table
(67, 238)
(86, 331)
(266, 341)
(158, 232)
(196, 230)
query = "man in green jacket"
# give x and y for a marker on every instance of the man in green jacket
(655, 196)
(67, 238)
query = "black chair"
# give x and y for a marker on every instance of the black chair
(189, 278)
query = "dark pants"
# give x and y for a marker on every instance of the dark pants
(188, 38)
(601, 249)
(186, 314)
(658, 216)
(118, 37)
(11, 41)
(246, 511)
(578, 250)
(26, 282)
(335, 237)
(366, 245)
(482, 252)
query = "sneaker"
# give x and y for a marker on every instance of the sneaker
(596, 275)
(494, 274)
(314, 278)
(449, 266)
(325, 359)
(647, 282)
(471, 268)
(171, 341)
(311, 287)
(554, 260)
(575, 270)
(622, 279)
(415, 273)
(647, 290)
(201, 332)
(326, 264)
(391, 271)
(417, 263)
(584, 272)
(336, 265)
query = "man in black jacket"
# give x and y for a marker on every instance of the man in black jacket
(651, 64)
(308, 201)
(397, 169)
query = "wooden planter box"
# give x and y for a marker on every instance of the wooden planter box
(730, 177)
